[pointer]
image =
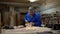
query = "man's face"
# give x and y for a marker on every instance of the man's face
(31, 12)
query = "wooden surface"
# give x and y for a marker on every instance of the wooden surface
(27, 30)
(0, 20)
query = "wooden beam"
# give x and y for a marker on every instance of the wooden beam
(19, 1)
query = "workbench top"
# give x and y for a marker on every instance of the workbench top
(26, 30)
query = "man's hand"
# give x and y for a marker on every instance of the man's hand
(31, 23)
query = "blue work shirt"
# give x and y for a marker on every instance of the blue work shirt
(36, 19)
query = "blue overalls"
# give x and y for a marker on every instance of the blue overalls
(36, 19)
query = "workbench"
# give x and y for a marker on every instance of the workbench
(26, 30)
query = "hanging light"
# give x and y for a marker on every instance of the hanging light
(33, 0)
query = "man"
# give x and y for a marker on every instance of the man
(33, 18)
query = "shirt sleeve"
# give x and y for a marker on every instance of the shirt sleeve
(26, 18)
(38, 20)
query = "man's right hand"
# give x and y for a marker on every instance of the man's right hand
(31, 23)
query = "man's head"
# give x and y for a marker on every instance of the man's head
(31, 10)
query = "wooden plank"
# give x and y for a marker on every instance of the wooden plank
(14, 1)
(6, 18)
(0, 20)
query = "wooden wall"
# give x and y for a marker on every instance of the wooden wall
(0, 20)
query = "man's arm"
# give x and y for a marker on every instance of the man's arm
(27, 21)
(38, 20)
